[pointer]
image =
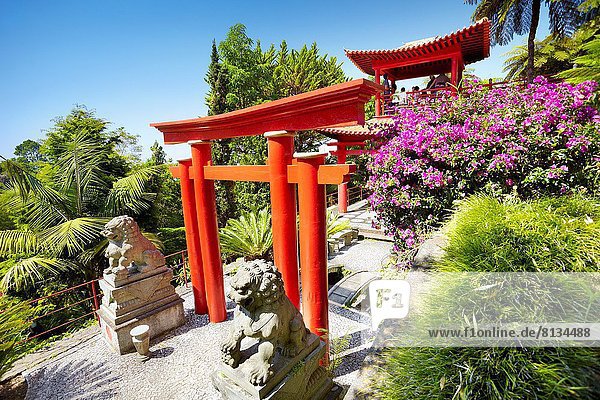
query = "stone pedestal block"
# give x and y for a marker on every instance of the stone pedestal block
(298, 378)
(137, 299)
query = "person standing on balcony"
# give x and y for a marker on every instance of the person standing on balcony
(415, 94)
(441, 81)
(387, 89)
(386, 86)
(387, 92)
(431, 82)
(402, 97)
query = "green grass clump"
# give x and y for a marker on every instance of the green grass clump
(488, 235)
(548, 235)
(490, 373)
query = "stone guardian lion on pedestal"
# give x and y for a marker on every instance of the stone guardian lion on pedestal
(128, 250)
(265, 313)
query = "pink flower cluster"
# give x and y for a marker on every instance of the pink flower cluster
(536, 140)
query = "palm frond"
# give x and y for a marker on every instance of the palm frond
(588, 64)
(154, 239)
(17, 242)
(10, 199)
(565, 16)
(86, 256)
(41, 215)
(78, 168)
(128, 193)
(71, 237)
(516, 62)
(27, 272)
(26, 185)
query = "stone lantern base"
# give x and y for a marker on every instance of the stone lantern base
(141, 298)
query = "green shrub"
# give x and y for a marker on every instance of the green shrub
(548, 235)
(173, 239)
(14, 324)
(485, 234)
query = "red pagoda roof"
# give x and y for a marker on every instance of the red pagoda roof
(353, 132)
(425, 57)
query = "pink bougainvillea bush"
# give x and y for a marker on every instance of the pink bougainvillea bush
(542, 139)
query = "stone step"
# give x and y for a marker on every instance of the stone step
(375, 235)
(346, 290)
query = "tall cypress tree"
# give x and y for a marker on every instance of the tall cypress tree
(216, 101)
(217, 80)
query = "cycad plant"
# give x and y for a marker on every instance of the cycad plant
(61, 217)
(336, 224)
(249, 236)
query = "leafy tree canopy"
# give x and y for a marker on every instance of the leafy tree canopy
(241, 74)
(61, 209)
(519, 17)
(28, 151)
(554, 55)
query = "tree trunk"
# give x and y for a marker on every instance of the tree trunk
(535, 19)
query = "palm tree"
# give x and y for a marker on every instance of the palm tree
(62, 220)
(551, 56)
(510, 17)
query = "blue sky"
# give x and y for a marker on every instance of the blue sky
(137, 62)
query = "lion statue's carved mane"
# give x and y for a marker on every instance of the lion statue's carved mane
(265, 313)
(128, 250)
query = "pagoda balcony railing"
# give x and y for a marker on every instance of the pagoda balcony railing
(423, 97)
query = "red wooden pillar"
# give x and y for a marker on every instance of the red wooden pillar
(283, 208)
(461, 67)
(454, 77)
(206, 210)
(313, 243)
(190, 219)
(343, 187)
(457, 69)
(378, 94)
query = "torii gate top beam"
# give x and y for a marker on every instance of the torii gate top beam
(338, 105)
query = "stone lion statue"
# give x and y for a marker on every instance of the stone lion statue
(265, 313)
(128, 250)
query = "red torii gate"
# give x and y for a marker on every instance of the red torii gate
(338, 105)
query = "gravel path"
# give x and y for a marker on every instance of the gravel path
(180, 367)
(366, 254)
